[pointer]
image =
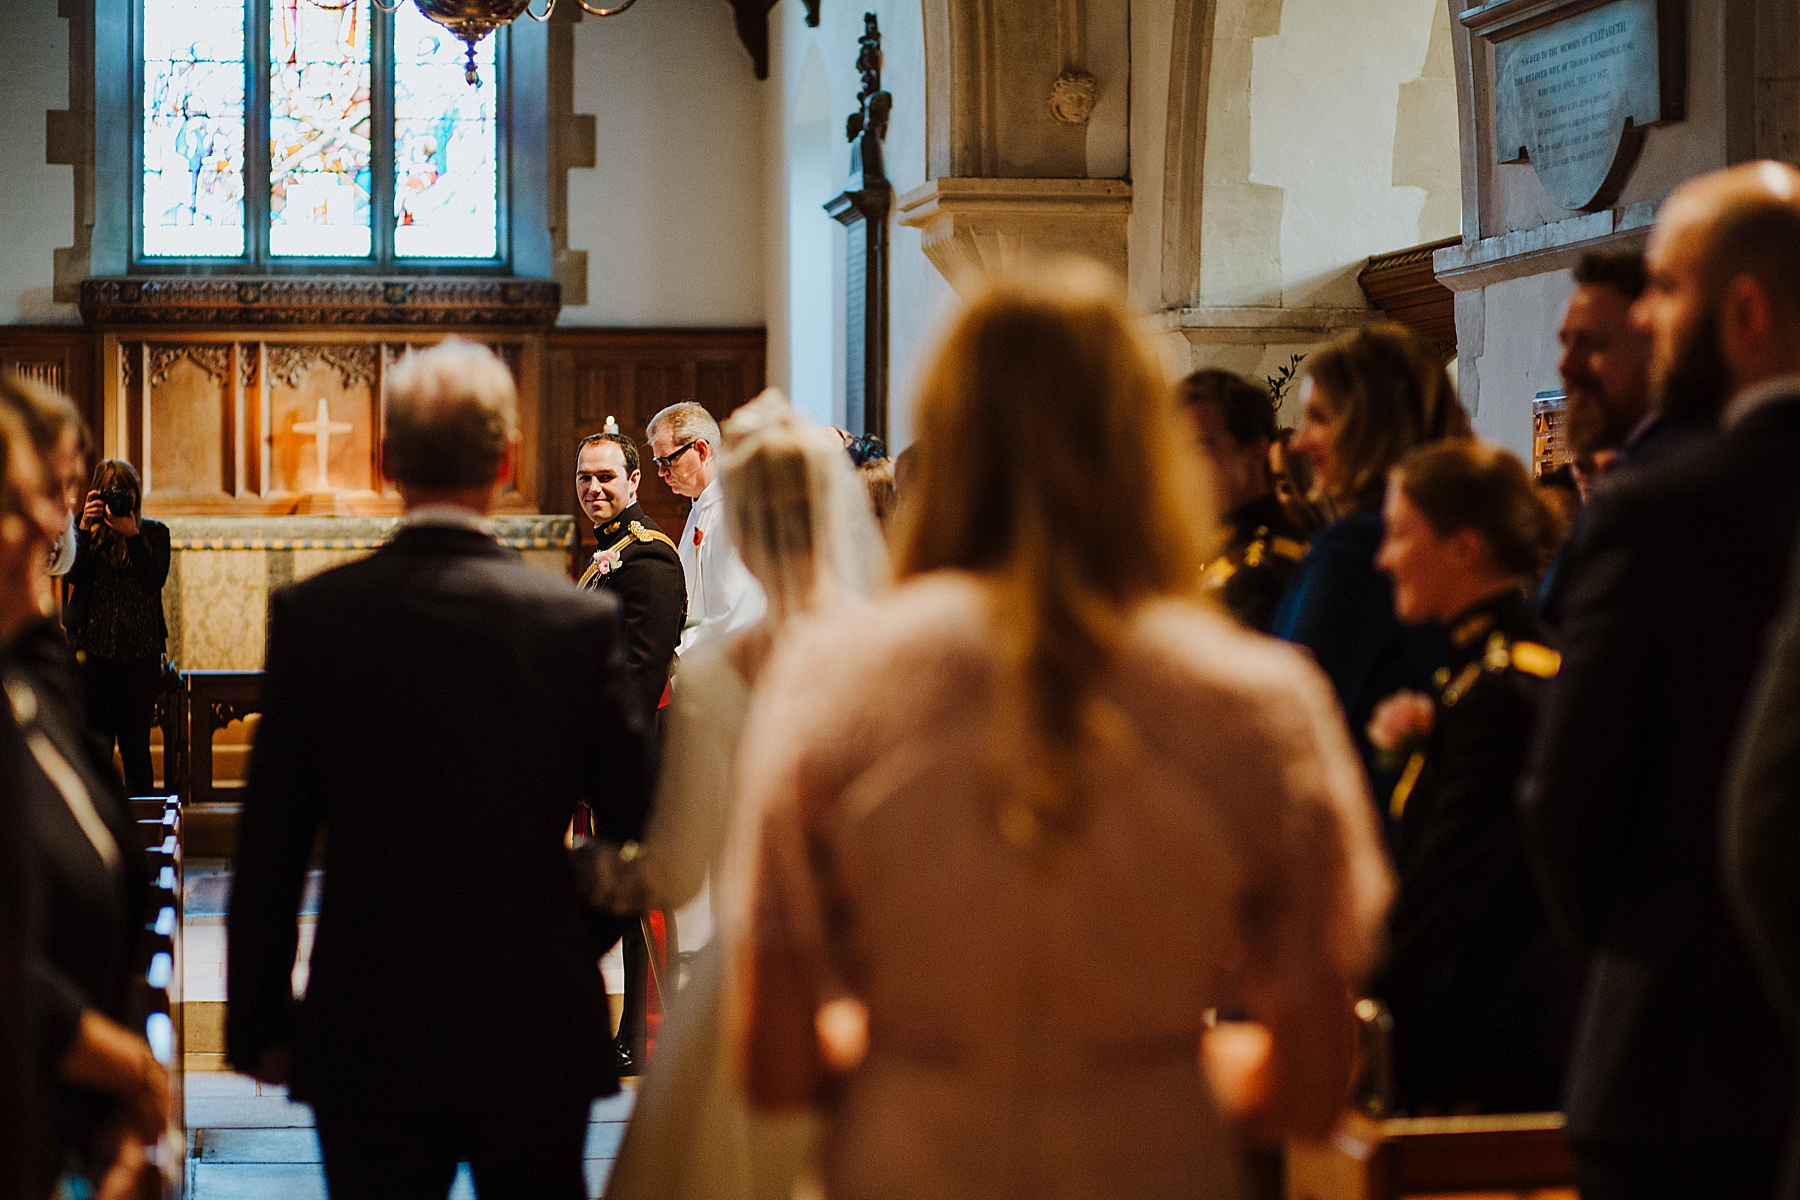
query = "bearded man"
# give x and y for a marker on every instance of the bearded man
(1681, 1079)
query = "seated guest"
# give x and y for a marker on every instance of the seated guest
(84, 885)
(1368, 398)
(1235, 422)
(1481, 993)
(115, 616)
(440, 709)
(1010, 770)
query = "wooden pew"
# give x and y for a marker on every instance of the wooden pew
(213, 699)
(1521, 1155)
(159, 979)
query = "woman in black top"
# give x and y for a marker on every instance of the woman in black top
(83, 885)
(115, 615)
(1481, 993)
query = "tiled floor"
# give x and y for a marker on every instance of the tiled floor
(247, 1140)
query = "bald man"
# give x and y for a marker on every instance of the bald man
(1681, 1079)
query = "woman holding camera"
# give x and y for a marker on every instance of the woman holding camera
(115, 615)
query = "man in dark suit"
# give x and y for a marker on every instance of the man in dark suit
(637, 563)
(439, 709)
(1681, 1080)
(1762, 826)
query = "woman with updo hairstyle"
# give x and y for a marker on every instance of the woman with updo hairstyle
(1482, 996)
(1367, 399)
(1022, 822)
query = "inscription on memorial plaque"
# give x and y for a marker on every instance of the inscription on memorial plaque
(1573, 93)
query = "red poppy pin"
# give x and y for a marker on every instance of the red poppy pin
(698, 535)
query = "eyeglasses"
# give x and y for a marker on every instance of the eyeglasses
(668, 464)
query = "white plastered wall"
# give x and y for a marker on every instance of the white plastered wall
(671, 217)
(37, 200)
(1330, 135)
(805, 306)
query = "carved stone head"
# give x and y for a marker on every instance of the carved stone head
(1072, 97)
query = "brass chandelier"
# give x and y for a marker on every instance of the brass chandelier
(472, 20)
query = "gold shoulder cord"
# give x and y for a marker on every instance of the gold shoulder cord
(1409, 779)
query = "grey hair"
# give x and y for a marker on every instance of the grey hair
(686, 422)
(449, 417)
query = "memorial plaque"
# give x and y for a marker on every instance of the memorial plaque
(1576, 84)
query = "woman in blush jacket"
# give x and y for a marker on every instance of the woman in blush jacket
(1018, 826)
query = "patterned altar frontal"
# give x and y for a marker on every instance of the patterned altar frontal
(224, 570)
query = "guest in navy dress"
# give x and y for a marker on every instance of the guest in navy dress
(1367, 399)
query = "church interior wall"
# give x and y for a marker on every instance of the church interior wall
(670, 215)
(811, 92)
(1320, 132)
(37, 199)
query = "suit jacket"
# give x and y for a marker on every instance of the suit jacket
(1762, 822)
(1482, 995)
(1677, 1043)
(1342, 609)
(652, 595)
(439, 709)
(1657, 436)
(147, 557)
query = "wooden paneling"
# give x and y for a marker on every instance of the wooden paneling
(221, 421)
(62, 356)
(629, 375)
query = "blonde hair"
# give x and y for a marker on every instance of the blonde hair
(798, 516)
(1386, 393)
(1051, 458)
(449, 417)
(686, 422)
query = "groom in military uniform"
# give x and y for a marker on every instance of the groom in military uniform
(640, 566)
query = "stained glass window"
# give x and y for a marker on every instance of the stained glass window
(319, 150)
(446, 185)
(193, 164)
(367, 118)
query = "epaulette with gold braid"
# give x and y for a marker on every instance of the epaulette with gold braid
(650, 535)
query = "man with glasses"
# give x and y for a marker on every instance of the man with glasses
(722, 595)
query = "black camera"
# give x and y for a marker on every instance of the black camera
(119, 501)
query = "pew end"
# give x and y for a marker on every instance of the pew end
(1522, 1156)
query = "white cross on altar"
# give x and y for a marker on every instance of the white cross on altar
(322, 427)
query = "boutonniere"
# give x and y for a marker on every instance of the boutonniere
(1399, 727)
(607, 561)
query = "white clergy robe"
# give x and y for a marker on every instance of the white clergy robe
(722, 594)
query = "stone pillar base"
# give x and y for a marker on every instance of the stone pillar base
(971, 227)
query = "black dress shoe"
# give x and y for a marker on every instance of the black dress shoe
(627, 1062)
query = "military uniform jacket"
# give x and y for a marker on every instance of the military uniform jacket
(1258, 561)
(652, 594)
(1483, 996)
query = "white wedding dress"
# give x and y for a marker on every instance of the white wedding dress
(692, 1135)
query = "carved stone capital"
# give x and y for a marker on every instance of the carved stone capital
(969, 227)
(318, 300)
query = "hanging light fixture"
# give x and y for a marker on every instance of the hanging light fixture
(472, 20)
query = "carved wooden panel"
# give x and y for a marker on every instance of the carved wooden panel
(61, 356)
(233, 422)
(630, 374)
